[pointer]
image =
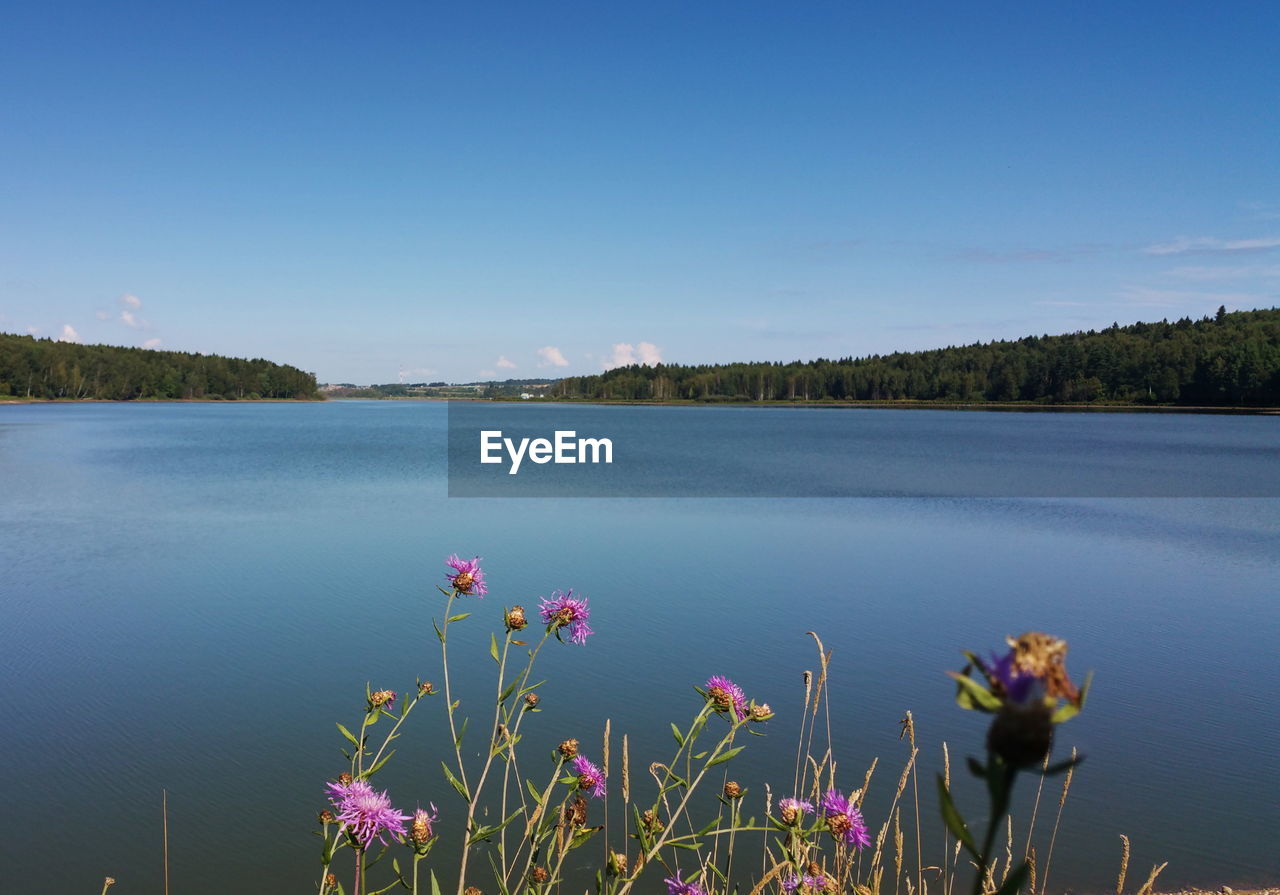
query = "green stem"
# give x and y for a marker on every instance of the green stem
(1001, 789)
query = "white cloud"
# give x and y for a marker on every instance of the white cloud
(1185, 245)
(625, 354)
(68, 334)
(151, 343)
(504, 364)
(103, 315)
(551, 357)
(127, 318)
(131, 301)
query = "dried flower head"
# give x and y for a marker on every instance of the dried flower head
(726, 696)
(568, 749)
(531, 700)
(330, 880)
(844, 820)
(617, 863)
(471, 890)
(108, 882)
(539, 875)
(380, 699)
(760, 712)
(364, 813)
(575, 813)
(326, 816)
(422, 829)
(515, 618)
(732, 790)
(467, 577)
(792, 810)
(590, 777)
(426, 688)
(344, 779)
(651, 822)
(564, 610)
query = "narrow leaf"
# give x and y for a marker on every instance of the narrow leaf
(951, 817)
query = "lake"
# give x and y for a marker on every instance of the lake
(194, 593)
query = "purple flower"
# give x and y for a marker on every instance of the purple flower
(725, 696)
(364, 813)
(467, 577)
(791, 810)
(844, 820)
(590, 777)
(565, 611)
(1020, 688)
(815, 883)
(676, 887)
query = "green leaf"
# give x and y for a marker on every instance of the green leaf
(692, 846)
(493, 646)
(951, 817)
(457, 618)
(972, 695)
(456, 783)
(533, 791)
(675, 732)
(386, 758)
(462, 731)
(435, 884)
(1013, 882)
(439, 633)
(725, 756)
(351, 737)
(506, 694)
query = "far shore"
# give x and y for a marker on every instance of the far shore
(807, 405)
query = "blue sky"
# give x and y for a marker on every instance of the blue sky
(424, 190)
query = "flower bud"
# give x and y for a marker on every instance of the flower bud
(380, 698)
(471, 890)
(732, 790)
(326, 817)
(344, 779)
(539, 875)
(789, 814)
(760, 712)
(1022, 736)
(617, 863)
(330, 881)
(569, 749)
(515, 618)
(531, 700)
(575, 813)
(426, 688)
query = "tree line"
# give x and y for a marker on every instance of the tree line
(43, 368)
(1227, 359)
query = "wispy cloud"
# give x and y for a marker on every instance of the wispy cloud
(551, 357)
(504, 364)
(1212, 245)
(69, 334)
(131, 301)
(102, 315)
(1024, 255)
(1226, 273)
(625, 354)
(128, 319)
(1143, 296)
(151, 343)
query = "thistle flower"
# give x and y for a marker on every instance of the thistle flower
(791, 810)
(760, 712)
(590, 777)
(467, 577)
(422, 830)
(676, 887)
(531, 700)
(365, 814)
(733, 790)
(844, 820)
(515, 618)
(568, 749)
(564, 610)
(382, 699)
(726, 696)
(810, 882)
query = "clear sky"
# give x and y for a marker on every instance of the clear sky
(431, 190)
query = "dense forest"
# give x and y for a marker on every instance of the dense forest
(1228, 359)
(43, 368)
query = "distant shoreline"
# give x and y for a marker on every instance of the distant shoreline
(805, 405)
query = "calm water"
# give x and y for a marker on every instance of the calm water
(193, 594)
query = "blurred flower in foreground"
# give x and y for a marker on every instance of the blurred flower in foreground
(563, 610)
(844, 820)
(467, 577)
(365, 813)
